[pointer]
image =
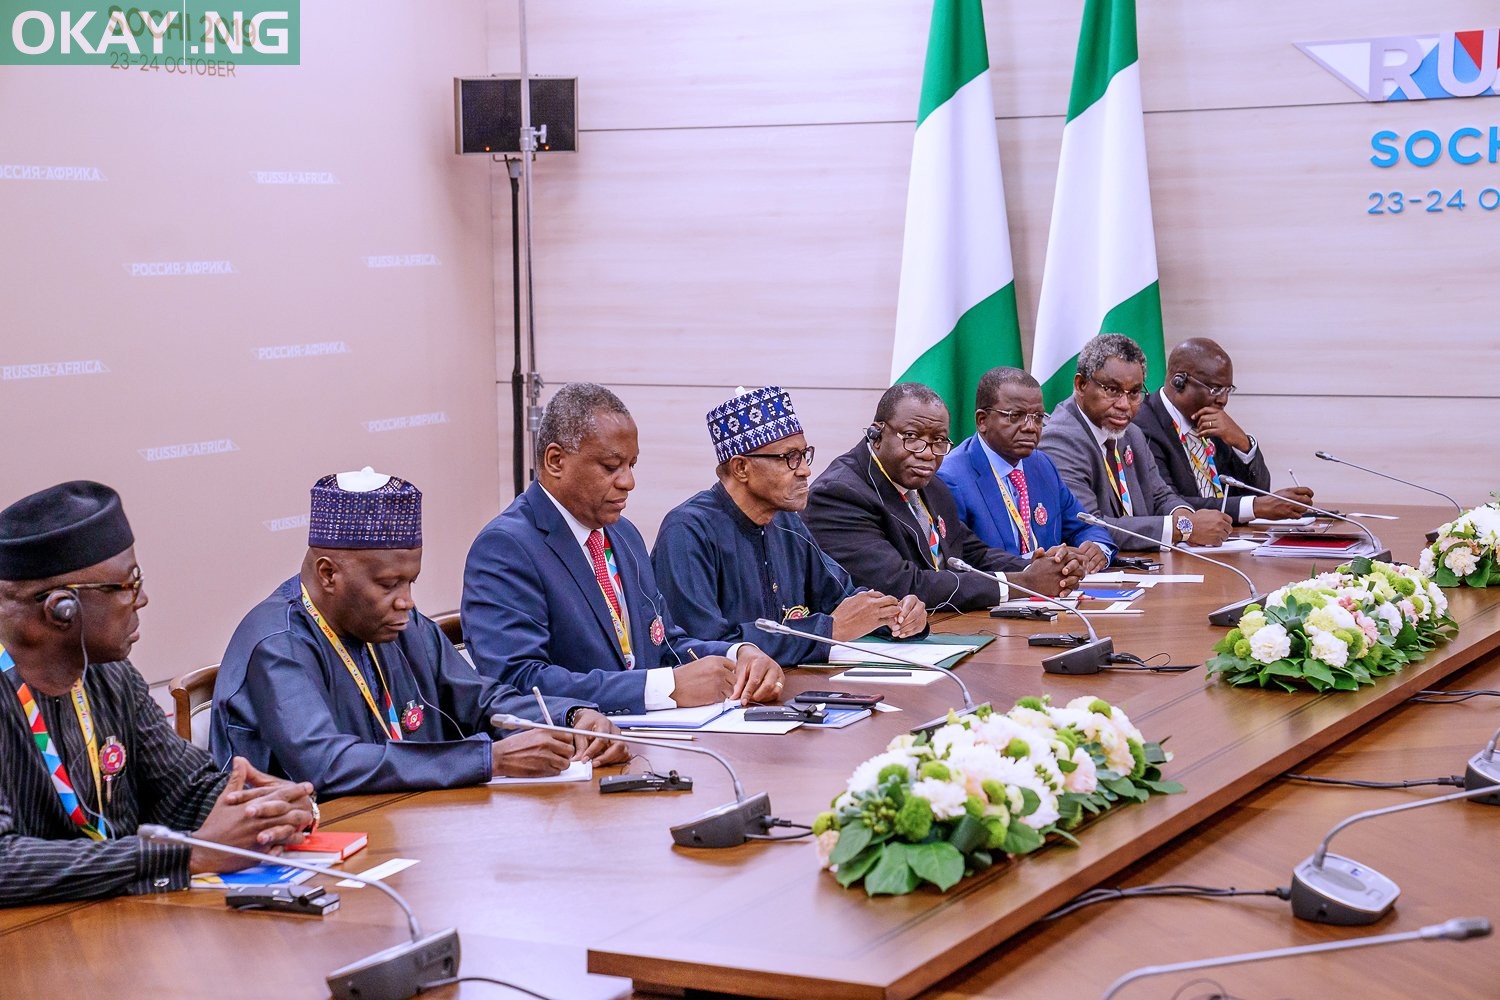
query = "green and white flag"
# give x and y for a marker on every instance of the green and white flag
(956, 312)
(1100, 273)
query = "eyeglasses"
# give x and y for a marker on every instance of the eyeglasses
(134, 585)
(1036, 418)
(1213, 390)
(1117, 392)
(916, 444)
(794, 459)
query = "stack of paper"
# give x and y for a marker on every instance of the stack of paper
(926, 653)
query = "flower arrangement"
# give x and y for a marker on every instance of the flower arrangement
(1464, 552)
(936, 807)
(1336, 631)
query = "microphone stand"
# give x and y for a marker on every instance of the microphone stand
(776, 628)
(396, 973)
(1483, 771)
(1458, 929)
(1432, 536)
(1089, 658)
(1376, 553)
(729, 825)
(1332, 889)
(1229, 615)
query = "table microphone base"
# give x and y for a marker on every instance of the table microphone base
(400, 972)
(1483, 771)
(725, 826)
(1230, 614)
(941, 721)
(1341, 892)
(1090, 658)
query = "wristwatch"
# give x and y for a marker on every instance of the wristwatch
(312, 827)
(572, 716)
(1185, 525)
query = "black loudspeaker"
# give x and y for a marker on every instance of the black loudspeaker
(487, 114)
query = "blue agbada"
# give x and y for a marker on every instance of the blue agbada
(285, 701)
(719, 571)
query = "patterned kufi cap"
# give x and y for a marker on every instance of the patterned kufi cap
(365, 510)
(752, 420)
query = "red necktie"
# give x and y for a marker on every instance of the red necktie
(1018, 480)
(601, 570)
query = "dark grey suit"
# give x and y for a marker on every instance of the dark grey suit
(1069, 441)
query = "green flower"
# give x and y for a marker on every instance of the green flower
(892, 772)
(974, 806)
(1242, 649)
(1137, 754)
(995, 792)
(995, 828)
(1032, 702)
(1251, 622)
(1354, 639)
(823, 823)
(914, 820)
(1100, 707)
(935, 769)
(1017, 749)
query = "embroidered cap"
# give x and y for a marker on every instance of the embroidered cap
(61, 529)
(752, 420)
(365, 510)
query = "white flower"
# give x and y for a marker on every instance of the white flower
(1252, 623)
(1271, 644)
(952, 736)
(1031, 718)
(1330, 617)
(1426, 563)
(976, 765)
(1085, 777)
(1046, 814)
(866, 775)
(1330, 649)
(826, 842)
(1389, 614)
(1461, 559)
(945, 797)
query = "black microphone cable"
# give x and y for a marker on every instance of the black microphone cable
(1104, 895)
(1436, 696)
(1455, 780)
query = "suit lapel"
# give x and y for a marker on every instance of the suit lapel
(989, 491)
(630, 580)
(1116, 509)
(562, 543)
(1182, 469)
(896, 509)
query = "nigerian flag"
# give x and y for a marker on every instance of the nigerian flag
(1100, 273)
(956, 311)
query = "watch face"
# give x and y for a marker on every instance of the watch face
(1185, 525)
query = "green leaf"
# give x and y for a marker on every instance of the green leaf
(939, 863)
(1030, 802)
(1480, 577)
(1317, 670)
(967, 834)
(1360, 566)
(1020, 838)
(1164, 787)
(891, 876)
(852, 839)
(851, 872)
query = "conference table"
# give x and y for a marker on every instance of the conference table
(570, 893)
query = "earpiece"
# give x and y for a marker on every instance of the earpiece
(61, 607)
(1179, 381)
(872, 433)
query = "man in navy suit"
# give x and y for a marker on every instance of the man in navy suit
(1007, 492)
(559, 591)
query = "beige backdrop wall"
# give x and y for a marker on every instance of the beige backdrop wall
(354, 324)
(734, 215)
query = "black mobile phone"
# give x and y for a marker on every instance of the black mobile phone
(1057, 639)
(838, 698)
(1024, 613)
(782, 713)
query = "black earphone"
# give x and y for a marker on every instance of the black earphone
(1179, 381)
(60, 606)
(872, 433)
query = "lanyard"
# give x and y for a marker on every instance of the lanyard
(1205, 467)
(1117, 474)
(53, 760)
(386, 722)
(1025, 537)
(933, 541)
(611, 599)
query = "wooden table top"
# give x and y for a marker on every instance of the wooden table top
(546, 882)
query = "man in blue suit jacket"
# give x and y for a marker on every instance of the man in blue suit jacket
(559, 591)
(1007, 492)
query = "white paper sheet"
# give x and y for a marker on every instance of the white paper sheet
(578, 770)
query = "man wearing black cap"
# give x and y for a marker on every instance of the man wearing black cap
(337, 679)
(86, 755)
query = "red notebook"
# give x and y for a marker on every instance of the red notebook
(328, 845)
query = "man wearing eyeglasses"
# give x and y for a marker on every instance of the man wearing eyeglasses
(738, 551)
(1008, 493)
(881, 512)
(86, 755)
(1194, 439)
(1105, 460)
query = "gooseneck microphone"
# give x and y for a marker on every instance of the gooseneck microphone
(729, 825)
(776, 628)
(1484, 772)
(1457, 929)
(1325, 456)
(1088, 658)
(396, 973)
(1332, 889)
(1229, 615)
(1377, 552)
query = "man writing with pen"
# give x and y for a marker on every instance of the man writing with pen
(338, 680)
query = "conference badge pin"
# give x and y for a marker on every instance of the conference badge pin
(658, 631)
(942, 527)
(1129, 455)
(1039, 515)
(411, 717)
(112, 758)
(800, 611)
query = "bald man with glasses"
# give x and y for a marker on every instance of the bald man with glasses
(738, 551)
(1105, 459)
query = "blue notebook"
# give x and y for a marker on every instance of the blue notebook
(254, 875)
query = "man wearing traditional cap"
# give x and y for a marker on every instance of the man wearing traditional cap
(881, 511)
(738, 551)
(337, 679)
(559, 590)
(86, 755)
